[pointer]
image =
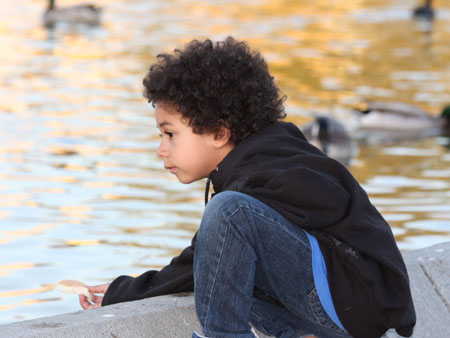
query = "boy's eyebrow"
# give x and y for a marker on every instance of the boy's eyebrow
(164, 123)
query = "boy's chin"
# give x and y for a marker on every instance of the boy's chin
(188, 180)
(185, 180)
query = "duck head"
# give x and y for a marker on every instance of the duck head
(322, 133)
(363, 108)
(424, 12)
(445, 115)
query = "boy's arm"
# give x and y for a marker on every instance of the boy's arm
(174, 278)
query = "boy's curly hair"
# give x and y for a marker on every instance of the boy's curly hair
(215, 85)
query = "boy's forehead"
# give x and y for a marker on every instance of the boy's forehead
(167, 115)
(167, 107)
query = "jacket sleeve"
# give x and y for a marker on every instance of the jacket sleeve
(174, 278)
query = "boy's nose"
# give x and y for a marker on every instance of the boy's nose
(161, 151)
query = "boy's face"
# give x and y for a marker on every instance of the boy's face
(187, 155)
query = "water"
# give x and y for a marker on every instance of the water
(82, 193)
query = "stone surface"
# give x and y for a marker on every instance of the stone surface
(429, 273)
(174, 316)
(167, 316)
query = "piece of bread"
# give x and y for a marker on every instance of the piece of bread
(73, 286)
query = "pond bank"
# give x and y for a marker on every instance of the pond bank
(174, 316)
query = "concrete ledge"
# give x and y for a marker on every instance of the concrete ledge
(166, 316)
(174, 316)
(429, 273)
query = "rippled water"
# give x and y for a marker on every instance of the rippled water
(83, 195)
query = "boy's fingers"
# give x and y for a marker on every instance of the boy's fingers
(97, 299)
(84, 302)
(98, 288)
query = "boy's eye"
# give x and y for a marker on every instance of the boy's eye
(168, 133)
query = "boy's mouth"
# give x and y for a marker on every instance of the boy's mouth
(171, 169)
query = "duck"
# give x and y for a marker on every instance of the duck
(381, 122)
(331, 136)
(84, 13)
(424, 12)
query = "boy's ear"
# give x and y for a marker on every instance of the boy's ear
(222, 137)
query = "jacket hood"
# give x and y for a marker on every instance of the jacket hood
(280, 168)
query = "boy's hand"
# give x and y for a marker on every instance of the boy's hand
(96, 300)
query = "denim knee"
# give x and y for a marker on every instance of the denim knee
(226, 199)
(221, 207)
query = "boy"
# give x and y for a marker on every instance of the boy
(290, 242)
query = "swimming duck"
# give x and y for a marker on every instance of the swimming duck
(330, 136)
(393, 121)
(84, 13)
(424, 12)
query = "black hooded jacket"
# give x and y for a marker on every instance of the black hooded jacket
(367, 276)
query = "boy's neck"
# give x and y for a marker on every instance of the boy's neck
(224, 151)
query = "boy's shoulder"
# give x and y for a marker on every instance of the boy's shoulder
(283, 129)
(277, 141)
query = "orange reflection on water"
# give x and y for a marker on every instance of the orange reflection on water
(10, 235)
(5, 307)
(99, 184)
(16, 293)
(6, 269)
(75, 242)
(113, 197)
(75, 167)
(76, 210)
(65, 179)
(14, 200)
(76, 47)
(54, 190)
(81, 150)
(37, 301)
(33, 178)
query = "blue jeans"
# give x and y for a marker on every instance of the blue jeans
(243, 243)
